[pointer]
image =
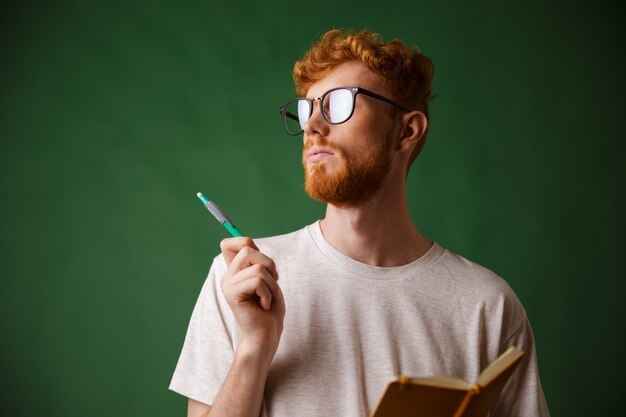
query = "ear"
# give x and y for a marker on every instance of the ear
(414, 126)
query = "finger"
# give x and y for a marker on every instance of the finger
(278, 297)
(250, 289)
(252, 273)
(232, 245)
(265, 296)
(248, 256)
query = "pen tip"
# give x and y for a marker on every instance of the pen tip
(199, 194)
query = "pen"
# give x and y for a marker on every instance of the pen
(219, 215)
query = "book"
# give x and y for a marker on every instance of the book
(446, 396)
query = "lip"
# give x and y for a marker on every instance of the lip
(317, 153)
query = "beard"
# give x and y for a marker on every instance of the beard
(360, 177)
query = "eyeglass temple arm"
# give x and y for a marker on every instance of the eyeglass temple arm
(385, 99)
(291, 116)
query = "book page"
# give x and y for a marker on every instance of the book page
(498, 366)
(442, 381)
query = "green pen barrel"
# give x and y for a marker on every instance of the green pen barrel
(233, 230)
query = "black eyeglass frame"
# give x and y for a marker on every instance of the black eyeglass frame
(353, 90)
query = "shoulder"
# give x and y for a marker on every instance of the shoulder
(288, 243)
(479, 286)
(280, 248)
(472, 276)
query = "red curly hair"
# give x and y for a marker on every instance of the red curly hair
(406, 72)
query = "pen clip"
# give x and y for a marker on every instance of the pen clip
(218, 213)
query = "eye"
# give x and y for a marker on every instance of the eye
(341, 104)
(326, 107)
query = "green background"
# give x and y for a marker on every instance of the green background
(113, 114)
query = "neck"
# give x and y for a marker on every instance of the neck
(380, 233)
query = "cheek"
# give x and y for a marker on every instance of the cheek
(374, 127)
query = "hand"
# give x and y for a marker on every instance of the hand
(252, 292)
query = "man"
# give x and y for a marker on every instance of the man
(317, 322)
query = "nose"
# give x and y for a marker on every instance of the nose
(316, 125)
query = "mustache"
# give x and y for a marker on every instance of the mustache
(318, 141)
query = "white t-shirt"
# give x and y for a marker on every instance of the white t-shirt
(350, 328)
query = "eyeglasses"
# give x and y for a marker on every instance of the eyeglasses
(337, 106)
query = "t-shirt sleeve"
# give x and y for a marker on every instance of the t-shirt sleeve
(522, 396)
(208, 350)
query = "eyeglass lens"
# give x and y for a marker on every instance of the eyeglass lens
(336, 106)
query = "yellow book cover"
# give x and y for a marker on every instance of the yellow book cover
(445, 396)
